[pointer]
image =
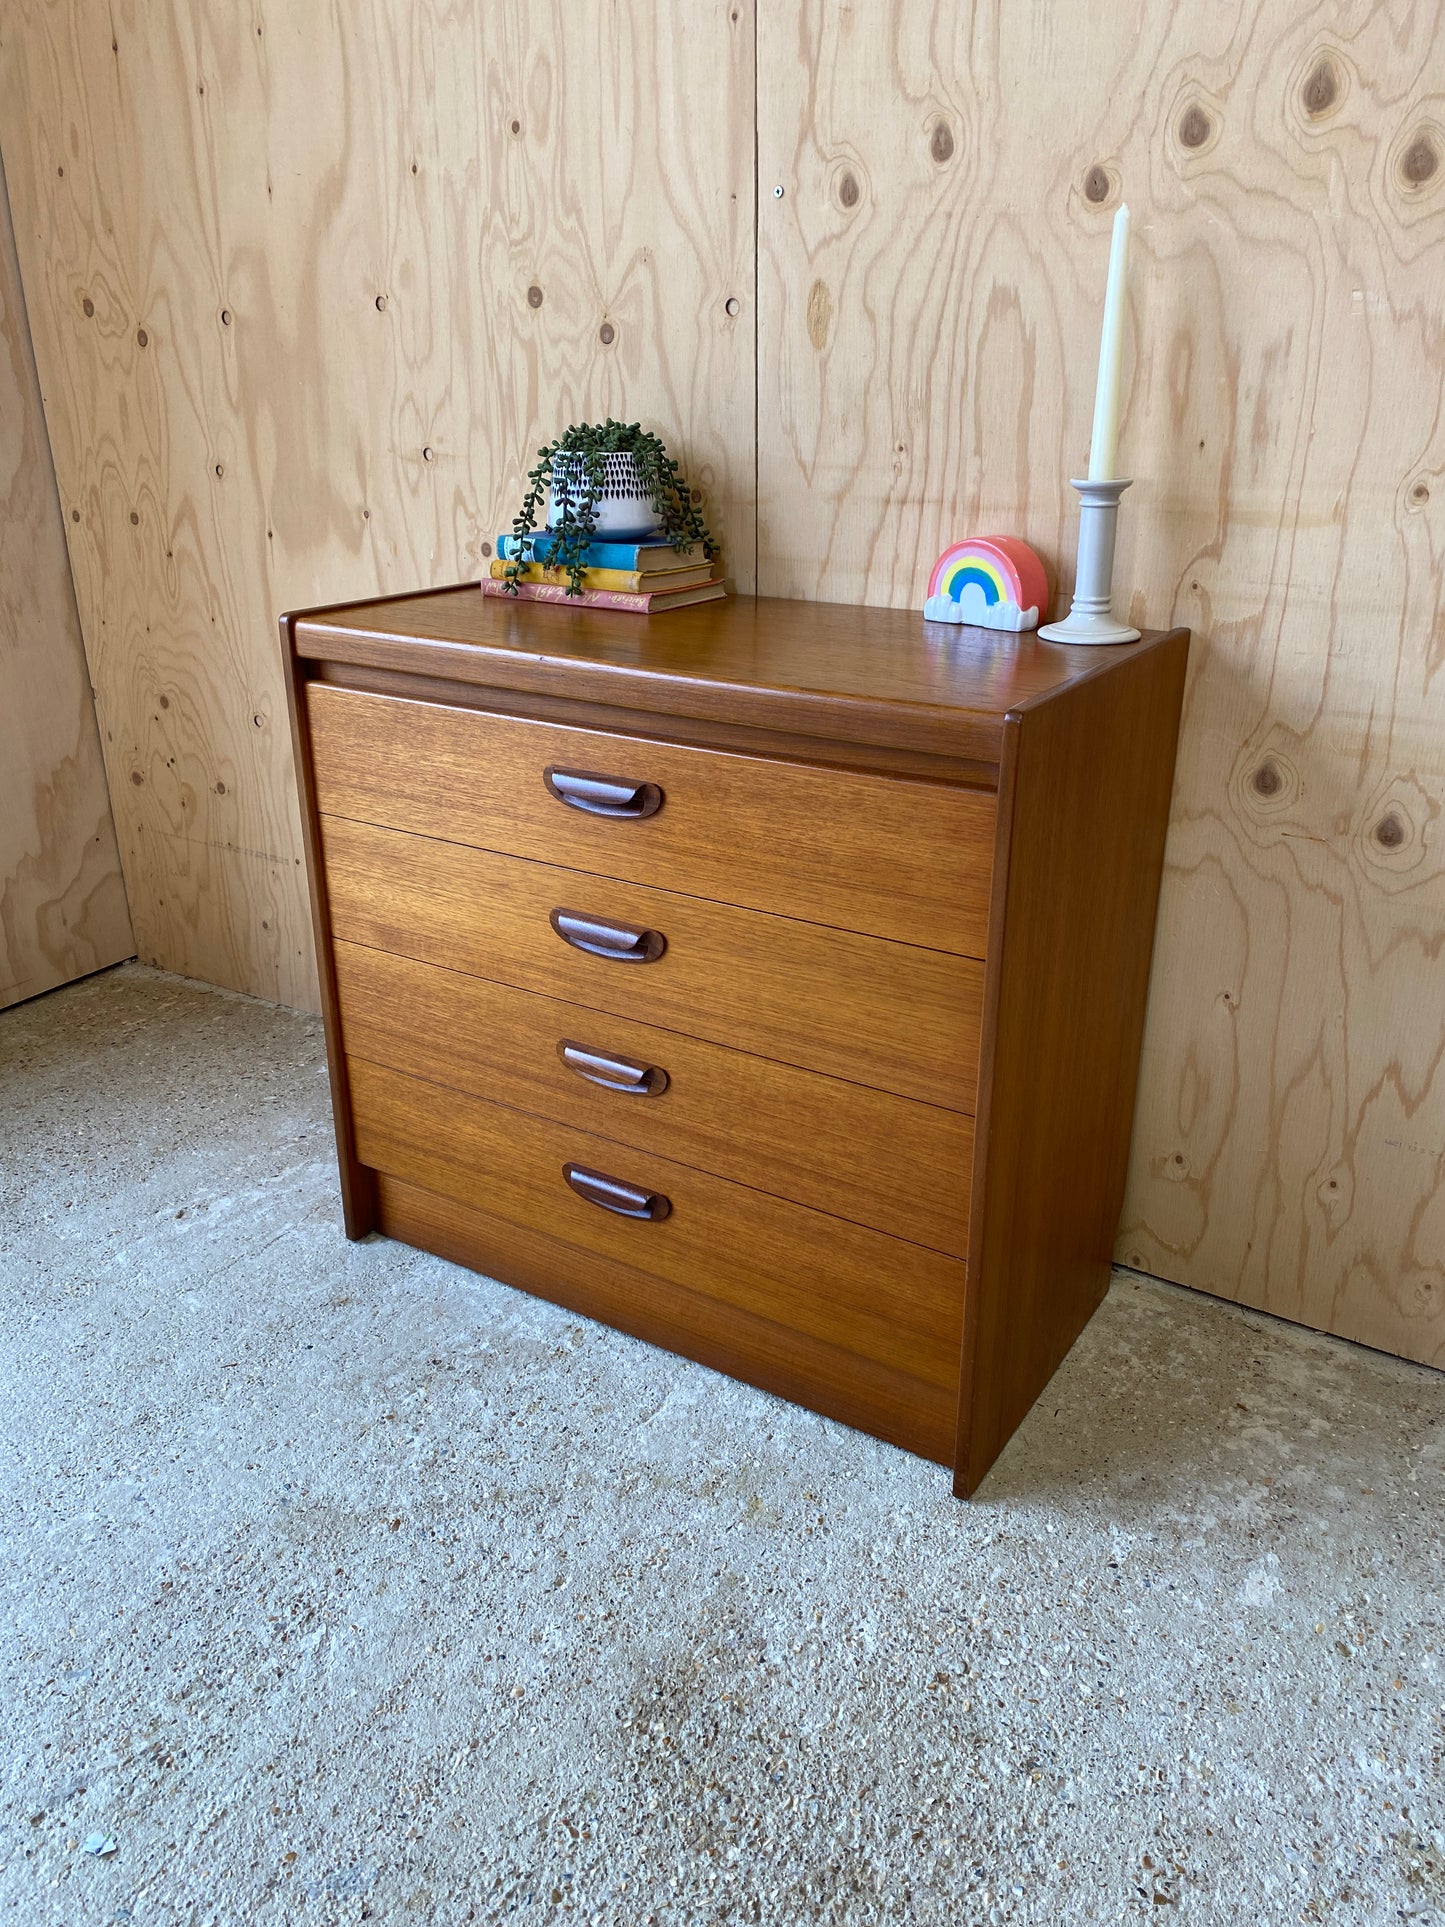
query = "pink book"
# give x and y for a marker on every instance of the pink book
(642, 603)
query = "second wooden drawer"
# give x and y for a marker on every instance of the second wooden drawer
(867, 1155)
(889, 1015)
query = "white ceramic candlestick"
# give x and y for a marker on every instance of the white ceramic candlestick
(1092, 617)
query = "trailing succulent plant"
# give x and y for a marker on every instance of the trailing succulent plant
(575, 463)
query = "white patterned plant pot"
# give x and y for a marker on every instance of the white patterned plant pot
(623, 511)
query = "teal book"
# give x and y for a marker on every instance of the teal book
(646, 556)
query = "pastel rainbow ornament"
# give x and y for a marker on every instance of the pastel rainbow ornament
(989, 582)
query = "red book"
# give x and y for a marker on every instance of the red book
(645, 602)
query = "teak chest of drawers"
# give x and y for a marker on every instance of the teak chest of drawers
(766, 979)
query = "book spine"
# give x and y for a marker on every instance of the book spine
(625, 579)
(557, 592)
(589, 598)
(602, 555)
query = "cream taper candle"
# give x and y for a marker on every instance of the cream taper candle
(1104, 448)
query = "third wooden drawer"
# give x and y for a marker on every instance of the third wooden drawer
(880, 1160)
(894, 1016)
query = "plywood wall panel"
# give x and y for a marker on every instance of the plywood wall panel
(62, 902)
(930, 284)
(309, 284)
(312, 283)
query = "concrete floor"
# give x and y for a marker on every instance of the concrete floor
(340, 1584)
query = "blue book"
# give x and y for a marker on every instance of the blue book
(608, 555)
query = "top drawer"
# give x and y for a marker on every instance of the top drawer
(886, 856)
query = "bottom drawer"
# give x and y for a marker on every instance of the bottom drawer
(847, 1321)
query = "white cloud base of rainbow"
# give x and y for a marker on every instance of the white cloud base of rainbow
(973, 607)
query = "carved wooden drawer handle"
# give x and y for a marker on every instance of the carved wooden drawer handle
(621, 942)
(613, 1195)
(613, 1073)
(584, 789)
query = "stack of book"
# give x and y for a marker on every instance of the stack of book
(642, 576)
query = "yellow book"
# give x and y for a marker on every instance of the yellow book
(630, 581)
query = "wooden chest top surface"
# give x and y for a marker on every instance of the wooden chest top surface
(829, 670)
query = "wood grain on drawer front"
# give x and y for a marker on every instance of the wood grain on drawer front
(892, 1405)
(889, 1015)
(842, 1284)
(886, 855)
(856, 1153)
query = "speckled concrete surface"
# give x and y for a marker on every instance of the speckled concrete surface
(340, 1584)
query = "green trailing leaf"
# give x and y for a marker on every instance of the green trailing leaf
(583, 448)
